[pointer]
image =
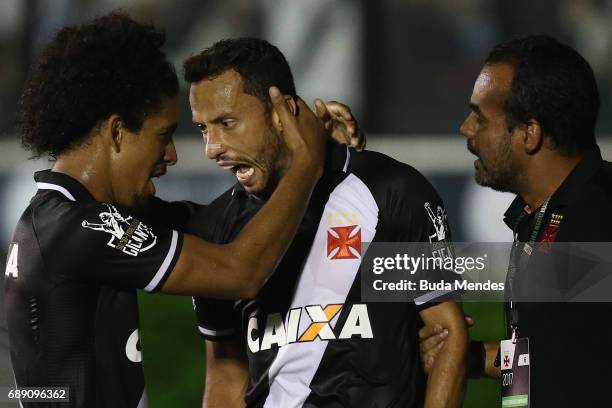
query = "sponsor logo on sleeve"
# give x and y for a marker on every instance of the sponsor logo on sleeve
(127, 234)
(439, 221)
(440, 239)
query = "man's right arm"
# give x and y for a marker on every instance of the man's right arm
(491, 351)
(227, 374)
(239, 269)
(446, 381)
(432, 339)
(130, 253)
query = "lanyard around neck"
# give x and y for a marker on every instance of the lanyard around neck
(519, 259)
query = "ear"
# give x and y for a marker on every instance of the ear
(115, 132)
(532, 136)
(292, 107)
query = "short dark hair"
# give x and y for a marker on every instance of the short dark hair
(111, 65)
(259, 63)
(553, 84)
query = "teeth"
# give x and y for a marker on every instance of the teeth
(245, 172)
(227, 167)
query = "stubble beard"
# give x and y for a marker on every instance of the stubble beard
(501, 172)
(273, 157)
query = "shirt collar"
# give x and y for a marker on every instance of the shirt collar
(567, 191)
(66, 185)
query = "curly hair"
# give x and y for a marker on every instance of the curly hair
(111, 65)
(259, 63)
(553, 84)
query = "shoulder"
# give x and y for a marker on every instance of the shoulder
(76, 225)
(66, 232)
(588, 218)
(52, 215)
(602, 181)
(392, 181)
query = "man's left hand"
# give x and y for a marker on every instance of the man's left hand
(340, 123)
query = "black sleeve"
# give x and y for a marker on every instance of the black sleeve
(216, 319)
(418, 216)
(169, 214)
(114, 248)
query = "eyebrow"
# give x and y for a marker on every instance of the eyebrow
(476, 109)
(215, 120)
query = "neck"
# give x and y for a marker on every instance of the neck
(86, 165)
(545, 175)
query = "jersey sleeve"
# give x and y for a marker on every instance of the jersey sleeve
(115, 248)
(170, 214)
(216, 319)
(421, 219)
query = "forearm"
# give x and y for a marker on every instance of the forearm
(446, 382)
(227, 375)
(227, 390)
(491, 349)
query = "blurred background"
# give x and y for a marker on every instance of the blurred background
(405, 67)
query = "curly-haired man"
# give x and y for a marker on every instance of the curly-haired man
(101, 100)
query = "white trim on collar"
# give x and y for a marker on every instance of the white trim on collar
(49, 186)
(348, 159)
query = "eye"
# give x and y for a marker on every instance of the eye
(479, 119)
(203, 129)
(228, 123)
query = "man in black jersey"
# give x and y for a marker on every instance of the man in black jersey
(532, 125)
(101, 101)
(307, 338)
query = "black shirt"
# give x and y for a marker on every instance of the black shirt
(73, 268)
(310, 339)
(569, 342)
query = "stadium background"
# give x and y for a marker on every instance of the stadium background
(405, 67)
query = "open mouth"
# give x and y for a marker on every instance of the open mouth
(242, 171)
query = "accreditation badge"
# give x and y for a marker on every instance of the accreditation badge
(515, 372)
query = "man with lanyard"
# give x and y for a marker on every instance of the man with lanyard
(532, 126)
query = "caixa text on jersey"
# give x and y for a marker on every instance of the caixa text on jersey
(307, 324)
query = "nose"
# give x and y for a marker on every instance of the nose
(214, 145)
(465, 128)
(170, 156)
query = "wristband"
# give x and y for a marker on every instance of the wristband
(476, 359)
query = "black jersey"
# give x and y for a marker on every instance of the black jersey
(568, 367)
(73, 268)
(310, 339)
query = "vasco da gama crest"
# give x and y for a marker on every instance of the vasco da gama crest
(128, 234)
